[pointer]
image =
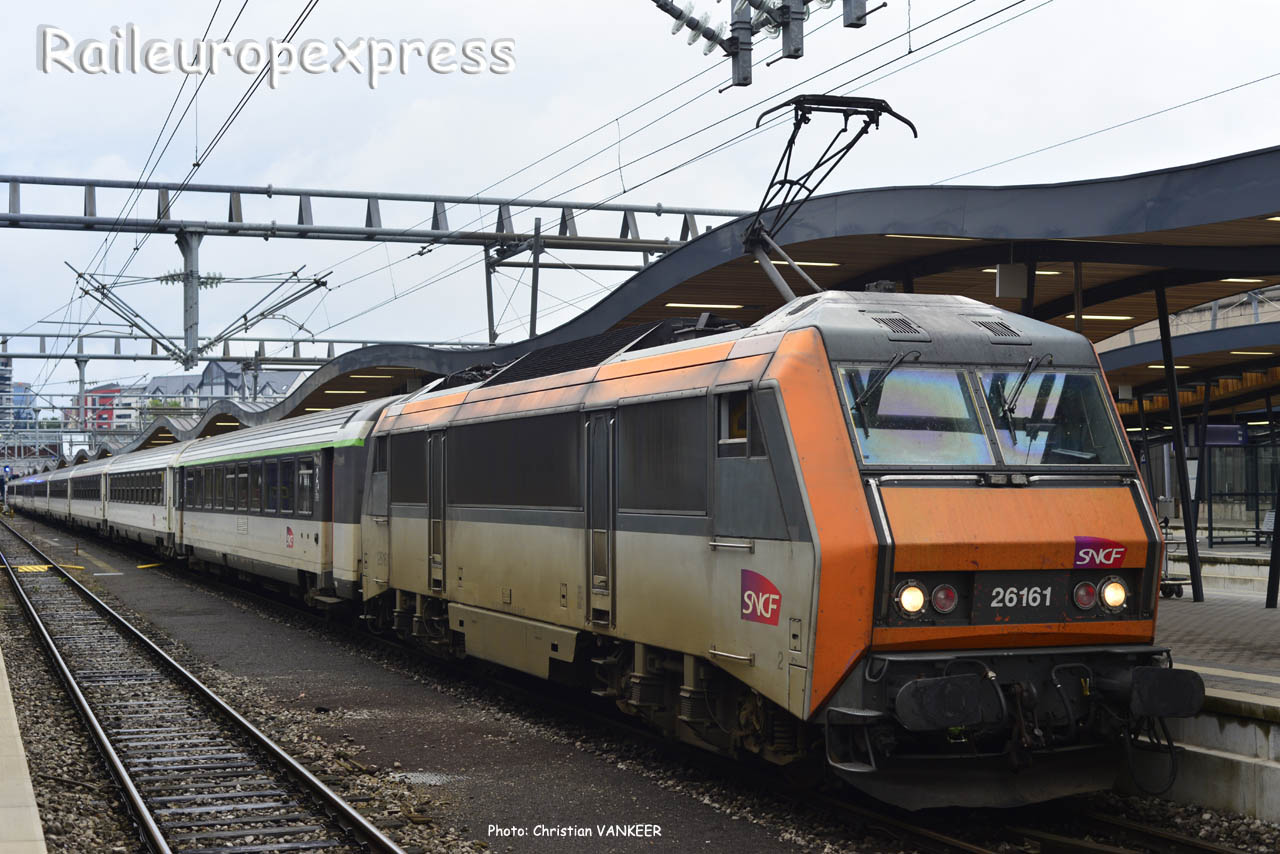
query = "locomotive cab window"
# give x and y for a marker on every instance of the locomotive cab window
(914, 416)
(737, 427)
(1051, 418)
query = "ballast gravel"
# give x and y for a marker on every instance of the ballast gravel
(80, 807)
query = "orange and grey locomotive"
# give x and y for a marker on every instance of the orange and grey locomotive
(901, 536)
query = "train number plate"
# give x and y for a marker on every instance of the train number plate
(1020, 597)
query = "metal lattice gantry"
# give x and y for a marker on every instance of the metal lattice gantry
(493, 229)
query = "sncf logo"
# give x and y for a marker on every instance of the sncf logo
(1098, 553)
(761, 601)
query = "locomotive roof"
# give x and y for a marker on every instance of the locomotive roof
(942, 327)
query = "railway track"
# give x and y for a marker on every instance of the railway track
(1069, 828)
(198, 777)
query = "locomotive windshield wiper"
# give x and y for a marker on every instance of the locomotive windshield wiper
(876, 381)
(1011, 401)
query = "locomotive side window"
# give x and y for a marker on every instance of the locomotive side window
(915, 416)
(380, 454)
(663, 456)
(408, 467)
(523, 462)
(1051, 418)
(737, 428)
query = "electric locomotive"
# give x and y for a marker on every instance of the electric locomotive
(899, 536)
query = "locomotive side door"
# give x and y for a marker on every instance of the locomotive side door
(600, 516)
(435, 502)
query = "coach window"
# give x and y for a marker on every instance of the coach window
(242, 486)
(255, 487)
(210, 487)
(306, 486)
(219, 488)
(662, 456)
(286, 486)
(271, 475)
(229, 499)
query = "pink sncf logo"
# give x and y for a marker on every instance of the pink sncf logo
(761, 601)
(1098, 553)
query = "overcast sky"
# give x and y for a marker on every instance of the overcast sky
(1038, 73)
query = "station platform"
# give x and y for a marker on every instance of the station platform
(1230, 638)
(20, 828)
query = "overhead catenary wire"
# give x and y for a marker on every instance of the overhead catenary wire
(1112, 127)
(734, 140)
(651, 153)
(144, 175)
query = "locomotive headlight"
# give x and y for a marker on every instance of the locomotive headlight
(1113, 594)
(911, 598)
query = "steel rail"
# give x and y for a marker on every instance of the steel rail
(149, 830)
(342, 812)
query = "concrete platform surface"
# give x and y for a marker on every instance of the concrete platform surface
(20, 829)
(1230, 638)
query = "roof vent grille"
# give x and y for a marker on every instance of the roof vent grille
(1001, 331)
(899, 327)
(998, 328)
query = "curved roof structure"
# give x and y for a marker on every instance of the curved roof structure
(1202, 232)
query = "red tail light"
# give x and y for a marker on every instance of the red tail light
(1086, 595)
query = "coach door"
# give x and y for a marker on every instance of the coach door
(435, 510)
(600, 516)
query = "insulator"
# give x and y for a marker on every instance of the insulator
(712, 44)
(702, 25)
(684, 16)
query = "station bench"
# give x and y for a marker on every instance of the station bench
(1267, 529)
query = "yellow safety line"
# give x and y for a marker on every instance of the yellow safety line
(93, 560)
(70, 566)
(150, 565)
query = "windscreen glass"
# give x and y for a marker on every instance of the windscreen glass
(915, 417)
(1054, 418)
